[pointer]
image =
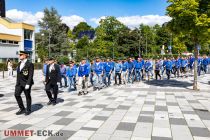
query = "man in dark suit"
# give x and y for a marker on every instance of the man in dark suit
(25, 72)
(53, 78)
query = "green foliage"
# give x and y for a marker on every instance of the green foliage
(63, 60)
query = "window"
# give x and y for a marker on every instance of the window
(27, 34)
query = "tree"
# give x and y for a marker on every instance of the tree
(191, 17)
(55, 32)
(82, 26)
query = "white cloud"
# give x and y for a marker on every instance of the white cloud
(30, 18)
(73, 20)
(23, 16)
(135, 21)
(97, 20)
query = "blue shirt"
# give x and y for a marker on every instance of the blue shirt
(184, 63)
(44, 69)
(124, 66)
(130, 66)
(148, 66)
(177, 64)
(83, 70)
(70, 72)
(63, 70)
(157, 66)
(118, 67)
(138, 65)
(205, 61)
(169, 65)
(98, 68)
(108, 67)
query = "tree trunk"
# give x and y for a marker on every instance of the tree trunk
(195, 84)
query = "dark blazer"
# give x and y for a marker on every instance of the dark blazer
(25, 76)
(54, 76)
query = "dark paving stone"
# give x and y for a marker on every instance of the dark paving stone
(146, 119)
(178, 121)
(71, 103)
(126, 126)
(89, 128)
(100, 118)
(100, 106)
(109, 109)
(204, 115)
(111, 98)
(192, 101)
(161, 108)
(201, 132)
(147, 112)
(123, 107)
(64, 121)
(65, 136)
(63, 113)
(180, 97)
(89, 100)
(161, 138)
(142, 95)
(20, 126)
(149, 103)
(172, 104)
(188, 112)
(86, 106)
(9, 109)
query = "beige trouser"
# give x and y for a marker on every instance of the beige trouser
(83, 84)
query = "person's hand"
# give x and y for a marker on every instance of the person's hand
(27, 87)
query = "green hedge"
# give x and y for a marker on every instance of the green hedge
(4, 67)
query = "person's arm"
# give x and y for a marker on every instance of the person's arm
(30, 74)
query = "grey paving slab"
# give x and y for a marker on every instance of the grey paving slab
(201, 132)
(126, 126)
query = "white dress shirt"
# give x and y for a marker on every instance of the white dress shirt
(22, 64)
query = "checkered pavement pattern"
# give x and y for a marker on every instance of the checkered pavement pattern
(154, 110)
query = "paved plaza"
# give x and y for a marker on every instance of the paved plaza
(155, 110)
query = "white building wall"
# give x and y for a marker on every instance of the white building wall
(5, 30)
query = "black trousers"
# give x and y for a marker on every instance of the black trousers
(157, 73)
(119, 77)
(52, 89)
(168, 73)
(18, 91)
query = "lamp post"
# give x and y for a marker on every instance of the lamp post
(139, 43)
(49, 36)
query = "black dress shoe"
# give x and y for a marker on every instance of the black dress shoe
(54, 102)
(80, 93)
(27, 112)
(21, 111)
(49, 103)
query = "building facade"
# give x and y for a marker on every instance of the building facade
(15, 37)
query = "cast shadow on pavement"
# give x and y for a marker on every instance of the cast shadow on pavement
(169, 83)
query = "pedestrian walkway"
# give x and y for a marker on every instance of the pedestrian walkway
(157, 110)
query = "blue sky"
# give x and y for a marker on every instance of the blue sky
(90, 11)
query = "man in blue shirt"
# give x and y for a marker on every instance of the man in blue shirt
(147, 68)
(63, 75)
(199, 65)
(130, 71)
(98, 68)
(138, 68)
(108, 71)
(71, 74)
(191, 63)
(157, 69)
(184, 64)
(83, 78)
(118, 70)
(124, 71)
(177, 67)
(205, 63)
(168, 68)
